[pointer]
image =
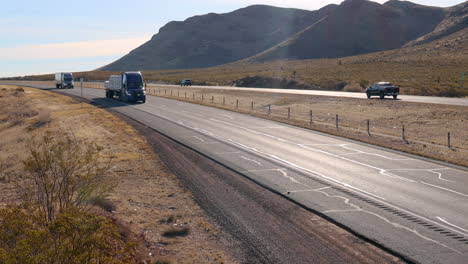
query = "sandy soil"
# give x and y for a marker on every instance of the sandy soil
(426, 125)
(149, 199)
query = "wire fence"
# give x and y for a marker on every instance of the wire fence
(305, 115)
(308, 116)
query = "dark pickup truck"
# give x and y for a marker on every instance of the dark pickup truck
(383, 89)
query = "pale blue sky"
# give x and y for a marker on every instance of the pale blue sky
(43, 36)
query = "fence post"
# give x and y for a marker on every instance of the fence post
(252, 105)
(269, 109)
(311, 117)
(403, 136)
(337, 127)
(448, 140)
(237, 103)
(289, 112)
(185, 94)
(224, 100)
(368, 127)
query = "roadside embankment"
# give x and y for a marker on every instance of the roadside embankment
(148, 202)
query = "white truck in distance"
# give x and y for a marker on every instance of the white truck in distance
(64, 80)
(128, 87)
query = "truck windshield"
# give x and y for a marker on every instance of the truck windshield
(67, 77)
(134, 81)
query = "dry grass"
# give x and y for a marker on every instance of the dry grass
(144, 193)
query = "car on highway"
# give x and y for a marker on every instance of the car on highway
(383, 89)
(186, 83)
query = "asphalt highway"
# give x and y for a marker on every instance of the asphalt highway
(416, 207)
(406, 98)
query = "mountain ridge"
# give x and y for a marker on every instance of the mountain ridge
(261, 33)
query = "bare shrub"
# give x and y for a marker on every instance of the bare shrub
(63, 172)
(72, 237)
(353, 87)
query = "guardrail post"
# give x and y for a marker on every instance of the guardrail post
(337, 127)
(448, 140)
(289, 112)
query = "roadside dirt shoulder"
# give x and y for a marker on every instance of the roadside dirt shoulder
(149, 199)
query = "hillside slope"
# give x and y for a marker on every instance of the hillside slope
(215, 39)
(358, 27)
(456, 20)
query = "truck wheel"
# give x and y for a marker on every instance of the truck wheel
(382, 95)
(395, 96)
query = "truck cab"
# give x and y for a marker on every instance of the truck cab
(64, 80)
(133, 87)
(128, 86)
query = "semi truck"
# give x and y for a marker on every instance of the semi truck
(64, 80)
(128, 87)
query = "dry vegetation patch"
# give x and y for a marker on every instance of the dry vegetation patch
(147, 201)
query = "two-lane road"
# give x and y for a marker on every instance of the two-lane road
(416, 207)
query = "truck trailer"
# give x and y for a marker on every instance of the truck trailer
(64, 80)
(128, 87)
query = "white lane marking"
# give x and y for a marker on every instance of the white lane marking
(357, 151)
(396, 225)
(228, 116)
(199, 138)
(254, 161)
(381, 171)
(262, 170)
(323, 188)
(446, 222)
(368, 195)
(285, 174)
(364, 193)
(446, 189)
(439, 174)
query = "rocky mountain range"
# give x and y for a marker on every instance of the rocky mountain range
(262, 33)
